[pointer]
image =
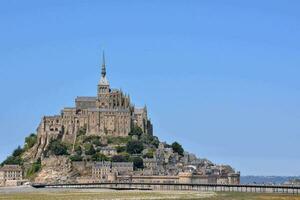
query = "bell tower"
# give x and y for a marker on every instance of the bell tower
(103, 87)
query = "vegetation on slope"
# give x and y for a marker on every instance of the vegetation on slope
(16, 157)
(133, 148)
(30, 141)
(33, 169)
(177, 148)
(57, 147)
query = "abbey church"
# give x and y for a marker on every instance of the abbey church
(110, 113)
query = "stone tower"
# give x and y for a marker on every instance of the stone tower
(103, 87)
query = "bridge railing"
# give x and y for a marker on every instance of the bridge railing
(179, 186)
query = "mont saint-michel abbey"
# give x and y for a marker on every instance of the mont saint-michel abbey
(109, 113)
(105, 138)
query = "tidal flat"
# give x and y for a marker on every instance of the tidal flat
(28, 193)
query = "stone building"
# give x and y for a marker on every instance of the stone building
(122, 167)
(108, 151)
(12, 172)
(110, 113)
(2, 180)
(107, 171)
(11, 175)
(101, 170)
(182, 177)
(150, 166)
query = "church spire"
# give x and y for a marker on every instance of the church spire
(103, 80)
(103, 69)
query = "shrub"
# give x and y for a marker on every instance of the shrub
(76, 158)
(34, 168)
(90, 139)
(149, 154)
(118, 140)
(177, 148)
(90, 150)
(134, 147)
(82, 131)
(96, 141)
(121, 149)
(155, 141)
(137, 163)
(11, 160)
(120, 158)
(15, 158)
(149, 139)
(57, 148)
(78, 150)
(136, 131)
(99, 157)
(30, 141)
(17, 152)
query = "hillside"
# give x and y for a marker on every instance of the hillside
(107, 136)
(60, 155)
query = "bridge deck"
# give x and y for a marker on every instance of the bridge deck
(177, 186)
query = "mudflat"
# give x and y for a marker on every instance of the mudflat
(29, 193)
(26, 193)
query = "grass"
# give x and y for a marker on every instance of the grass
(91, 194)
(97, 194)
(253, 196)
(118, 140)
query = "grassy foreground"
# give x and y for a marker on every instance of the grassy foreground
(136, 195)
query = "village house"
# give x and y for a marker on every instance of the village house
(108, 151)
(11, 175)
(12, 172)
(106, 171)
(2, 180)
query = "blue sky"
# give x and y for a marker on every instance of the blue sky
(220, 77)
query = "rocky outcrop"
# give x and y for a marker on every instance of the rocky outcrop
(43, 140)
(56, 169)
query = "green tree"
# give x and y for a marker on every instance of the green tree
(74, 158)
(118, 140)
(17, 152)
(11, 160)
(90, 150)
(15, 158)
(82, 131)
(134, 147)
(177, 148)
(30, 141)
(120, 158)
(155, 141)
(137, 163)
(96, 141)
(99, 157)
(149, 139)
(149, 154)
(136, 131)
(121, 149)
(57, 148)
(78, 150)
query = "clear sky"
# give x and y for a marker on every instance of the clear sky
(220, 77)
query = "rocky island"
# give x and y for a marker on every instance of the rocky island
(105, 138)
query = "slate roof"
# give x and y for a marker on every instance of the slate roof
(86, 98)
(11, 168)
